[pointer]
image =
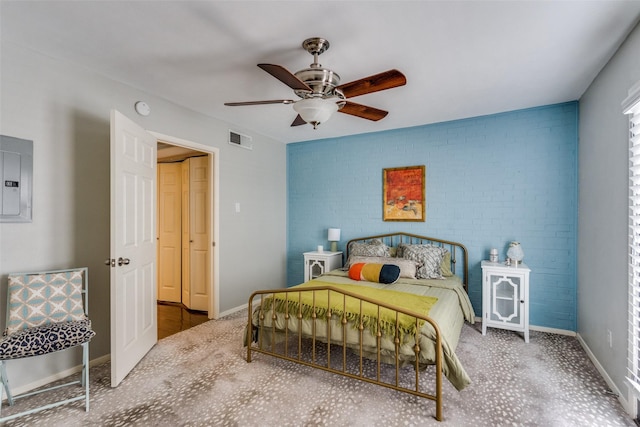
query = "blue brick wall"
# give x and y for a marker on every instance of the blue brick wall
(489, 180)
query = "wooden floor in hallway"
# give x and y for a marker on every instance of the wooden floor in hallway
(175, 317)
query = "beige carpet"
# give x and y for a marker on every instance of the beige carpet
(200, 378)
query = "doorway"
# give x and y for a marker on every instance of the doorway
(183, 233)
(183, 236)
(198, 246)
(174, 318)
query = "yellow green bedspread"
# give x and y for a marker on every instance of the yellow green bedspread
(369, 315)
(449, 309)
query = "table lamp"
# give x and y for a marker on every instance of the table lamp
(334, 238)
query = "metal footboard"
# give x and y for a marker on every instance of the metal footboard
(281, 335)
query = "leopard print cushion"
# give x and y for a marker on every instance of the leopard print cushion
(45, 339)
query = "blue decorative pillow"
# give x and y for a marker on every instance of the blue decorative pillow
(41, 299)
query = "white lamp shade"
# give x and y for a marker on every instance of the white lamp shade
(315, 110)
(334, 235)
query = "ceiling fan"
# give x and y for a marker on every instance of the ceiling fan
(321, 93)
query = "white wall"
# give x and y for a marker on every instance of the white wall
(65, 110)
(603, 215)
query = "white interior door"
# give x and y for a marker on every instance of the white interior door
(133, 245)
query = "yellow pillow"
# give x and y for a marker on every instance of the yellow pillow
(445, 266)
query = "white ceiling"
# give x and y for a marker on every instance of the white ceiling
(461, 58)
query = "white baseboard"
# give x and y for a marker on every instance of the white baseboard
(57, 376)
(626, 404)
(236, 309)
(233, 310)
(544, 329)
(552, 330)
(100, 360)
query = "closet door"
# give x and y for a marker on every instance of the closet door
(169, 232)
(186, 235)
(199, 206)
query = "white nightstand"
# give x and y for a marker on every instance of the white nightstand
(505, 297)
(317, 263)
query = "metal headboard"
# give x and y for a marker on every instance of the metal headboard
(458, 250)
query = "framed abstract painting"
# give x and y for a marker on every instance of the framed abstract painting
(403, 194)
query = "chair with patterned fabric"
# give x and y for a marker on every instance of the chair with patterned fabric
(46, 312)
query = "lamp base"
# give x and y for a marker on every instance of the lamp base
(334, 246)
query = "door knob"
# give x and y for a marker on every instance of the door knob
(123, 261)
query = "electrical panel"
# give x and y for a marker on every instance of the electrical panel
(16, 172)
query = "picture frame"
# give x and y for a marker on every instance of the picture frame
(403, 194)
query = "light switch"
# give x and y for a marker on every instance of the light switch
(237, 207)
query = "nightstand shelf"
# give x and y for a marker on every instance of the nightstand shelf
(318, 263)
(505, 297)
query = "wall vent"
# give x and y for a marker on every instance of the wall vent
(240, 140)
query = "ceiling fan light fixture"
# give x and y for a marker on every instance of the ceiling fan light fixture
(315, 110)
(321, 93)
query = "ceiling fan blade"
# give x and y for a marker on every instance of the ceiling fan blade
(285, 76)
(386, 80)
(272, 101)
(363, 111)
(298, 121)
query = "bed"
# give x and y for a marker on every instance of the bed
(397, 306)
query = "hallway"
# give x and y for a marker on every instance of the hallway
(174, 317)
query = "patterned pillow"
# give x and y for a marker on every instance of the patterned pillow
(400, 249)
(373, 248)
(445, 266)
(407, 266)
(370, 248)
(428, 258)
(41, 299)
(377, 273)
